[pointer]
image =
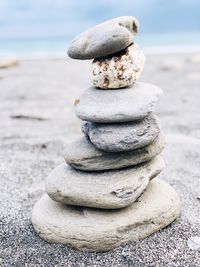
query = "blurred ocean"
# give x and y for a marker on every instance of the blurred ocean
(46, 26)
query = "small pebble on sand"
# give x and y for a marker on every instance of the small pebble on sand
(171, 65)
(194, 58)
(8, 62)
(194, 242)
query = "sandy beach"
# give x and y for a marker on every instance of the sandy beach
(38, 120)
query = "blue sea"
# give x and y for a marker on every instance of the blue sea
(31, 27)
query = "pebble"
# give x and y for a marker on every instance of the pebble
(172, 65)
(91, 229)
(195, 58)
(107, 190)
(194, 242)
(119, 70)
(193, 76)
(8, 62)
(128, 104)
(104, 39)
(83, 155)
(122, 136)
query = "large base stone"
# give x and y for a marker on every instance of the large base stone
(102, 230)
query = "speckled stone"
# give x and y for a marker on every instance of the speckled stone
(101, 230)
(104, 39)
(128, 104)
(119, 70)
(83, 155)
(123, 136)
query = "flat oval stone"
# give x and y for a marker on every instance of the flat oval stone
(119, 70)
(123, 136)
(107, 190)
(104, 39)
(83, 155)
(109, 106)
(102, 230)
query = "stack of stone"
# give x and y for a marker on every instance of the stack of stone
(107, 193)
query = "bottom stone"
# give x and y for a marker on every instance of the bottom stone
(101, 230)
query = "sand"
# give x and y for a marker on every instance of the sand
(37, 120)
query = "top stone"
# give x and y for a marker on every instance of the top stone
(104, 39)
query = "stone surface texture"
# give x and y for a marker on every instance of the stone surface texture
(104, 39)
(107, 190)
(29, 155)
(123, 136)
(119, 70)
(83, 155)
(132, 103)
(102, 230)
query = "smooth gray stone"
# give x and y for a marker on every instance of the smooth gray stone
(120, 105)
(106, 190)
(102, 230)
(83, 155)
(123, 136)
(104, 39)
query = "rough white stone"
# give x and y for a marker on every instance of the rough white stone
(119, 70)
(128, 104)
(102, 230)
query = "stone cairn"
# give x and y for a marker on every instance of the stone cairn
(107, 193)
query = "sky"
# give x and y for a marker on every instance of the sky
(65, 18)
(32, 26)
